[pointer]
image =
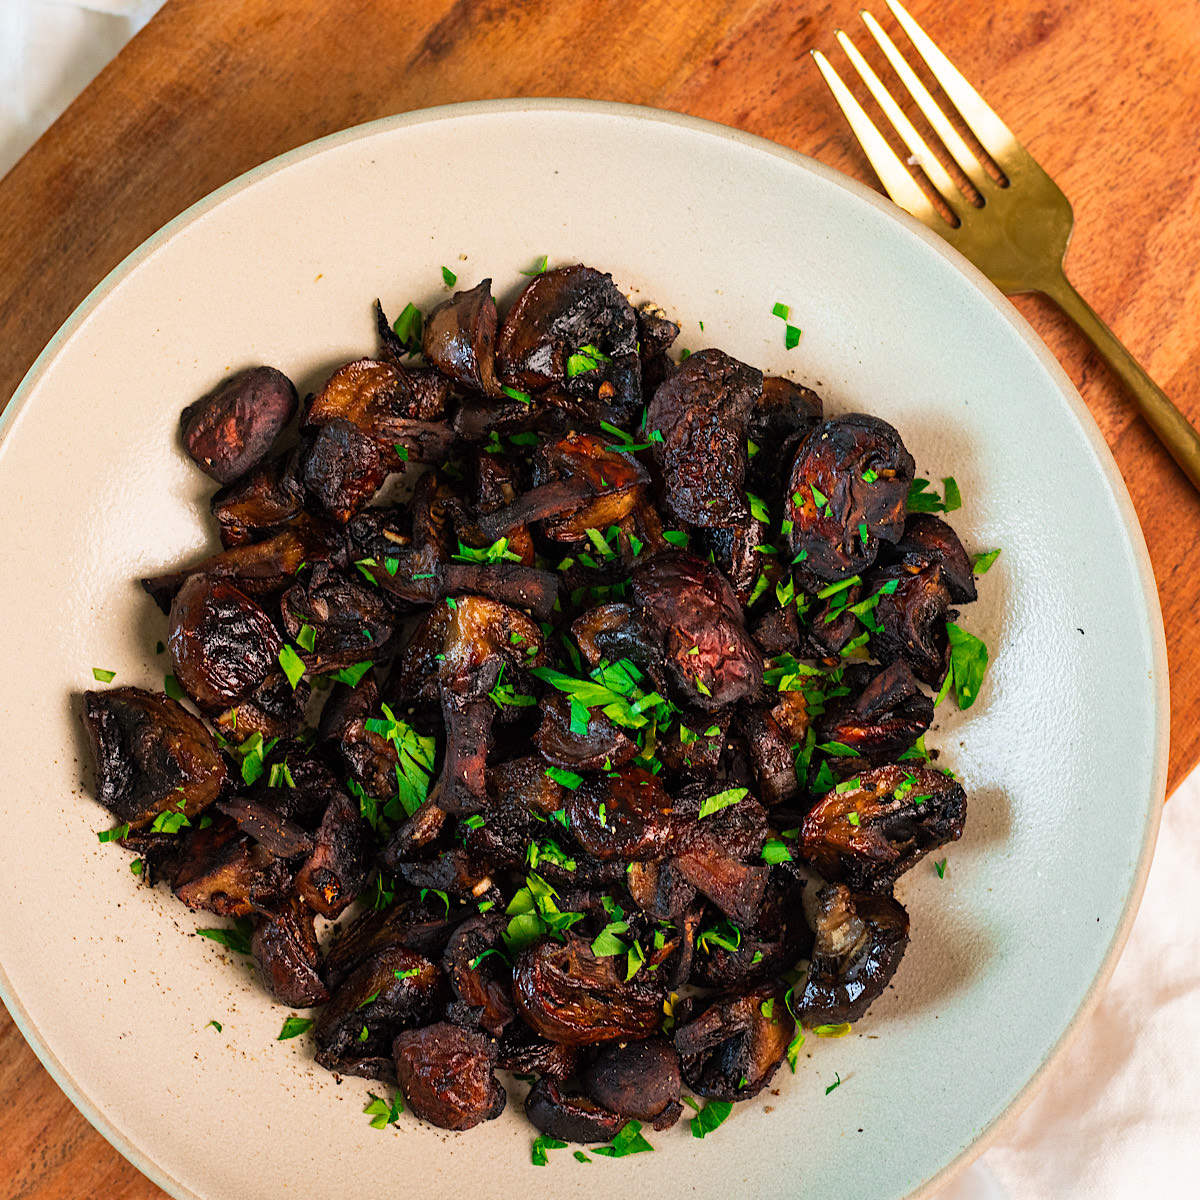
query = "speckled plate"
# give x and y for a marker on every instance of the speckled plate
(1063, 756)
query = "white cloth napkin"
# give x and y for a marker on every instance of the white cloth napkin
(1119, 1118)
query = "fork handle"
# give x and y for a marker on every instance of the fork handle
(1170, 425)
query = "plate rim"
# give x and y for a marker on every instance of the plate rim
(1077, 409)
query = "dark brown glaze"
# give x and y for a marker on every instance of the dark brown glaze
(476, 964)
(860, 940)
(274, 709)
(626, 816)
(567, 994)
(341, 468)
(261, 500)
(150, 755)
(639, 1079)
(928, 541)
(225, 871)
(350, 621)
(231, 430)
(912, 621)
(521, 1050)
(702, 411)
(286, 955)
(222, 644)
(711, 658)
(447, 1075)
(833, 459)
(786, 413)
(569, 1116)
(601, 744)
(336, 871)
(395, 989)
(732, 1049)
(381, 399)
(899, 816)
(460, 339)
(881, 720)
(557, 315)
(267, 826)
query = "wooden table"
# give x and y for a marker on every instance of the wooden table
(1106, 93)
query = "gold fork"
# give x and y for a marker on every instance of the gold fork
(1019, 237)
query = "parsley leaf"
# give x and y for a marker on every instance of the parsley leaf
(236, 938)
(381, 1113)
(541, 1144)
(292, 664)
(102, 675)
(712, 804)
(981, 562)
(448, 277)
(628, 1141)
(710, 1117)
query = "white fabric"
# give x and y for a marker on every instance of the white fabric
(1120, 1116)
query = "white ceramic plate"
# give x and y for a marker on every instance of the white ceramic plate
(1063, 756)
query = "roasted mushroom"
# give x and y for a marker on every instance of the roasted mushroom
(457, 655)
(285, 952)
(460, 339)
(701, 413)
(884, 719)
(151, 754)
(336, 870)
(847, 491)
(734, 1047)
(860, 941)
(712, 659)
(912, 618)
(447, 1075)
(223, 645)
(879, 824)
(639, 1079)
(570, 1117)
(474, 962)
(928, 541)
(261, 500)
(587, 740)
(223, 870)
(567, 994)
(625, 815)
(572, 327)
(350, 623)
(784, 416)
(231, 430)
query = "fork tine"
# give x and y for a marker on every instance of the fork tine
(995, 137)
(959, 150)
(892, 173)
(916, 144)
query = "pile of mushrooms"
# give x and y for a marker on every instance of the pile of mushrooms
(564, 741)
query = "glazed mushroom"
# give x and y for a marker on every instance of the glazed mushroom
(701, 413)
(151, 755)
(622, 815)
(784, 416)
(457, 655)
(460, 339)
(860, 940)
(274, 709)
(221, 869)
(912, 618)
(222, 644)
(847, 491)
(883, 719)
(336, 870)
(711, 658)
(260, 501)
(475, 963)
(572, 327)
(928, 541)
(567, 994)
(447, 1075)
(349, 622)
(639, 1080)
(286, 955)
(882, 822)
(231, 430)
(733, 1048)
(566, 740)
(570, 1116)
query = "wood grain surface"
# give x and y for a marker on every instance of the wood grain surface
(1105, 93)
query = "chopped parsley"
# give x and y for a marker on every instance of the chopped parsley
(541, 1144)
(382, 1113)
(113, 835)
(775, 851)
(628, 1141)
(408, 327)
(236, 938)
(782, 311)
(102, 675)
(292, 664)
(586, 358)
(791, 337)
(539, 267)
(415, 760)
(216, 1025)
(448, 277)
(708, 1118)
(351, 676)
(172, 688)
(294, 1027)
(712, 804)
(922, 499)
(833, 1031)
(981, 562)
(837, 1082)
(940, 867)
(968, 663)
(516, 394)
